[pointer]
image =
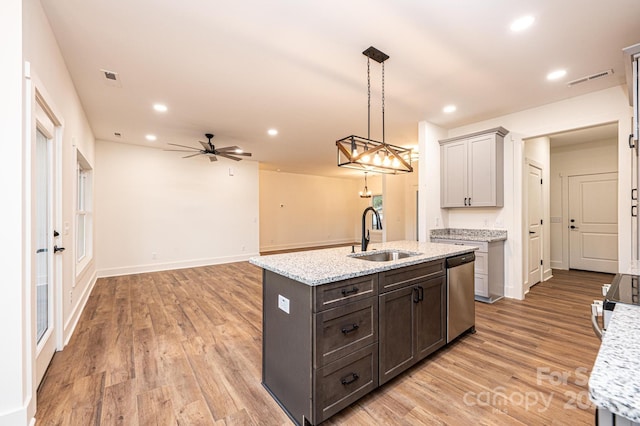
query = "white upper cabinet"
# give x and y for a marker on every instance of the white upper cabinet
(471, 170)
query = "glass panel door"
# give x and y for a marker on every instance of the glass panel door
(43, 237)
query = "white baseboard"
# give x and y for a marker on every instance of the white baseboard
(547, 274)
(17, 417)
(72, 321)
(299, 245)
(157, 267)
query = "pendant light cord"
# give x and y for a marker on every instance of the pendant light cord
(368, 98)
(383, 102)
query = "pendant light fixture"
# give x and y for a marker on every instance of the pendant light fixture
(361, 153)
(365, 193)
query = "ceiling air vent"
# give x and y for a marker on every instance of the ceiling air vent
(111, 78)
(590, 77)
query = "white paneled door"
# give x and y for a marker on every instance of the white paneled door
(593, 222)
(534, 222)
(44, 191)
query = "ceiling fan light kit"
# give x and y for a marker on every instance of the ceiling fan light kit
(229, 152)
(357, 152)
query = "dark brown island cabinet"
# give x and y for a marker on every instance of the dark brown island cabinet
(326, 346)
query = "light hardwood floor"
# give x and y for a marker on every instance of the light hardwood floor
(184, 347)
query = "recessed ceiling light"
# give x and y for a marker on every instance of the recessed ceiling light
(557, 74)
(151, 137)
(449, 109)
(160, 107)
(272, 132)
(522, 23)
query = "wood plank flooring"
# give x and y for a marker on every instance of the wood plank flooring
(184, 347)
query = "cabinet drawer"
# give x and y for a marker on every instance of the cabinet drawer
(402, 277)
(481, 285)
(345, 329)
(343, 292)
(343, 382)
(482, 263)
(483, 246)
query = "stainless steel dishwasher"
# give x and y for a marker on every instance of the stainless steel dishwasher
(461, 309)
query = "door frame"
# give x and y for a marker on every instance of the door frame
(539, 166)
(36, 94)
(525, 225)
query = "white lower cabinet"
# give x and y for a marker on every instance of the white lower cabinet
(489, 267)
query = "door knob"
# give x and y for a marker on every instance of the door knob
(57, 249)
(573, 227)
(532, 232)
(572, 220)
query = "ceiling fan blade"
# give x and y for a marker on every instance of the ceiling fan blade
(244, 154)
(228, 148)
(192, 155)
(222, 154)
(212, 158)
(177, 150)
(184, 146)
(205, 145)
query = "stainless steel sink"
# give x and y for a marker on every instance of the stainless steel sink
(384, 256)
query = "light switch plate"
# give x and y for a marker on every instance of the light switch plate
(283, 303)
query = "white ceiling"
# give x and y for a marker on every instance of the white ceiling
(239, 68)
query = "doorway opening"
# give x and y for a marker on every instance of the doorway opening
(583, 199)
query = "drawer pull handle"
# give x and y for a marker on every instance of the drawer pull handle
(418, 294)
(346, 292)
(348, 330)
(349, 379)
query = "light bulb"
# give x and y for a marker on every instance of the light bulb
(395, 162)
(376, 159)
(386, 161)
(366, 158)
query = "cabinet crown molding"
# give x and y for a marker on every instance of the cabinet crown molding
(501, 131)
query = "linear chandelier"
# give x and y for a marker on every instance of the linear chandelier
(361, 153)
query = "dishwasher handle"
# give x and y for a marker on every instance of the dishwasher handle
(452, 262)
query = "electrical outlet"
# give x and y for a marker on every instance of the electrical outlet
(283, 303)
(71, 297)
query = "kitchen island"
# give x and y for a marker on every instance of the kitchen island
(335, 326)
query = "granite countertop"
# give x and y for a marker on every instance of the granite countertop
(315, 267)
(614, 383)
(486, 235)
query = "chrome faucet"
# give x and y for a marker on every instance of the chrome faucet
(365, 238)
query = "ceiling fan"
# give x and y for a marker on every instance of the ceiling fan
(230, 152)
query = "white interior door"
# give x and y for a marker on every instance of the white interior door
(43, 239)
(593, 222)
(534, 224)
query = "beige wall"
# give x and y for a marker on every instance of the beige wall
(310, 211)
(585, 158)
(307, 211)
(156, 210)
